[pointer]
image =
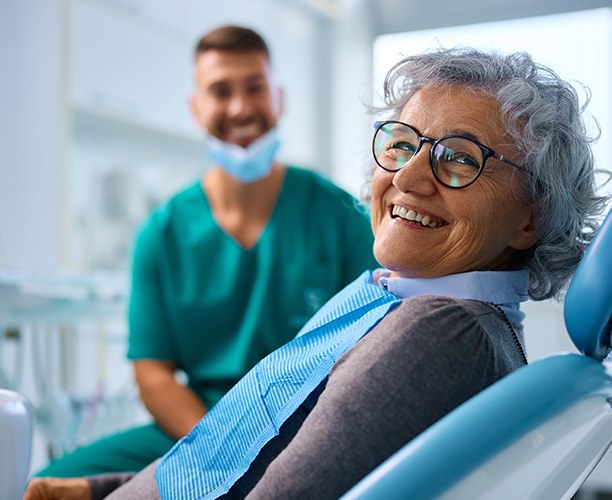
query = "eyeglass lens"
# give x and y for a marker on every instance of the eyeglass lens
(456, 161)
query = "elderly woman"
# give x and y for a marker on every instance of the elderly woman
(482, 195)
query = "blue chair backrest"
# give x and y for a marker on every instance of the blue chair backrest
(588, 303)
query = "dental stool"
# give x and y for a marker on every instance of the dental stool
(537, 433)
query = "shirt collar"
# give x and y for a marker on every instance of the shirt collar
(506, 288)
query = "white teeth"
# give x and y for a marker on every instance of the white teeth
(240, 131)
(414, 216)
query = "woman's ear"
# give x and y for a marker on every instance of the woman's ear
(526, 235)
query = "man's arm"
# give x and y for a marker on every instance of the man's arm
(175, 407)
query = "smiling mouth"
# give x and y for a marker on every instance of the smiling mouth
(243, 134)
(415, 217)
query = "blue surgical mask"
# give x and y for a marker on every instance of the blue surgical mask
(245, 164)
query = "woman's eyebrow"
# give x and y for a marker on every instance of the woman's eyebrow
(464, 133)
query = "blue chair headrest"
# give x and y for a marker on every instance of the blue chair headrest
(588, 303)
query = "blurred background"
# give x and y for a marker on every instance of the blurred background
(95, 131)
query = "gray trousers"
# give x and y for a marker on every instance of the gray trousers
(425, 358)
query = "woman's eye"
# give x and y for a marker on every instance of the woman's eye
(466, 160)
(404, 146)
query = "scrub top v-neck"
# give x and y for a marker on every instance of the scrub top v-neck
(199, 298)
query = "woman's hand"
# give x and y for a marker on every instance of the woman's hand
(49, 488)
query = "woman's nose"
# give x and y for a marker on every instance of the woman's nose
(416, 174)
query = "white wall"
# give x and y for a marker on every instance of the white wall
(32, 132)
(352, 93)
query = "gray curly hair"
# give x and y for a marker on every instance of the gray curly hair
(543, 116)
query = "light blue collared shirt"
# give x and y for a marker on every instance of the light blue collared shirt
(506, 288)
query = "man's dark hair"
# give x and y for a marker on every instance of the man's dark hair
(232, 39)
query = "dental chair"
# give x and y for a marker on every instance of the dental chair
(537, 433)
(16, 430)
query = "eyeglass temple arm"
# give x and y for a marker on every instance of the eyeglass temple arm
(509, 162)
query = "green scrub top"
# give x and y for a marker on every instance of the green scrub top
(201, 300)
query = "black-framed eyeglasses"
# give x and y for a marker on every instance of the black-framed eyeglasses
(456, 161)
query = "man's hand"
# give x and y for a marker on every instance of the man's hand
(50, 488)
